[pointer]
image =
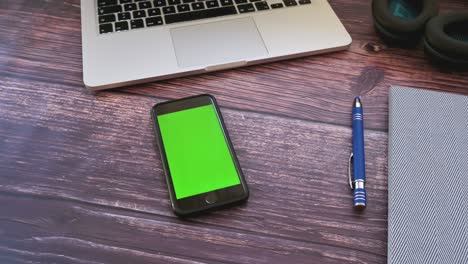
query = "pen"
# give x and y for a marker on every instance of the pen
(357, 160)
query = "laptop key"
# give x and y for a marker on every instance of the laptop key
(154, 12)
(137, 23)
(202, 14)
(124, 16)
(183, 8)
(255, 1)
(262, 6)
(139, 14)
(106, 28)
(121, 26)
(241, 1)
(188, 1)
(145, 5)
(212, 3)
(245, 8)
(125, 1)
(130, 7)
(169, 10)
(105, 10)
(159, 3)
(198, 6)
(106, 19)
(106, 2)
(304, 2)
(277, 5)
(290, 2)
(173, 2)
(226, 2)
(154, 21)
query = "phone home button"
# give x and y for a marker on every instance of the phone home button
(211, 198)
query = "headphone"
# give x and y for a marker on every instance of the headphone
(406, 22)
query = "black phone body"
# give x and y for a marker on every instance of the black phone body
(200, 165)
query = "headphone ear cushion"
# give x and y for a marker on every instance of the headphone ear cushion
(446, 38)
(403, 21)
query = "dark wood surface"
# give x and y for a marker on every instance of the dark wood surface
(80, 181)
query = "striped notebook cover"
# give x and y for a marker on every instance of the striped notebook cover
(427, 177)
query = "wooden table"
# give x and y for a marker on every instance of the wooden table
(80, 181)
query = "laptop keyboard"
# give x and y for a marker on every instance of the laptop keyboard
(122, 15)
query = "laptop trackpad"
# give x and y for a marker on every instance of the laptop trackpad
(217, 42)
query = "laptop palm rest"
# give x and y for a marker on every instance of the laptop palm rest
(218, 44)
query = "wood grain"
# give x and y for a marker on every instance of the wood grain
(293, 200)
(80, 181)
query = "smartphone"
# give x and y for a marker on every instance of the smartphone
(201, 168)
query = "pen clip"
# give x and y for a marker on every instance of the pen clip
(350, 162)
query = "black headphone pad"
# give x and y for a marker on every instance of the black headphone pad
(402, 22)
(446, 39)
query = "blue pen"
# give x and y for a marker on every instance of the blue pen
(357, 159)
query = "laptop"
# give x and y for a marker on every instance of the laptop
(127, 42)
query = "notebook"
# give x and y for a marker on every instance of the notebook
(427, 177)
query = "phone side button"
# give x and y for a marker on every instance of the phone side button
(211, 198)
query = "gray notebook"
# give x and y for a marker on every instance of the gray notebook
(427, 177)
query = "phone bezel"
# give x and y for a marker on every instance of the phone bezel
(205, 201)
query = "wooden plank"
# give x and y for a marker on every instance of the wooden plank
(101, 153)
(67, 232)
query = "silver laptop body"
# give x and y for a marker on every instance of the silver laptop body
(133, 41)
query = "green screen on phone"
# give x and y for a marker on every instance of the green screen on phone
(197, 153)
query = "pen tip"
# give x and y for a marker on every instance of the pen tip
(357, 102)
